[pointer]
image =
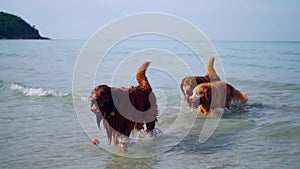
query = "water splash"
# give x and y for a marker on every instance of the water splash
(40, 92)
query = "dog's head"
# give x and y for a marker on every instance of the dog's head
(201, 95)
(187, 86)
(99, 96)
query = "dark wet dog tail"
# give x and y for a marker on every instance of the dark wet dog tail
(141, 76)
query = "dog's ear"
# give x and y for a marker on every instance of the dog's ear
(205, 90)
(193, 83)
(207, 95)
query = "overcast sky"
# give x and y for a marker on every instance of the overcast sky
(218, 19)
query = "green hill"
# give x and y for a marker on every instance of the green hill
(14, 27)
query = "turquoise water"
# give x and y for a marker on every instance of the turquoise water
(40, 129)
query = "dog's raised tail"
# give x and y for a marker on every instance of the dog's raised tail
(210, 66)
(141, 77)
(239, 97)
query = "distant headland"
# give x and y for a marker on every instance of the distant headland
(14, 27)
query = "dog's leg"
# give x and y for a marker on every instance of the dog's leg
(123, 143)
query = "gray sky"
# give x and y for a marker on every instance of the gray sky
(218, 19)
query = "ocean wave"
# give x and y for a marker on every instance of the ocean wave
(40, 92)
(1, 83)
(290, 53)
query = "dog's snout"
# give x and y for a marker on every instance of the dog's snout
(188, 92)
(190, 99)
(187, 97)
(94, 109)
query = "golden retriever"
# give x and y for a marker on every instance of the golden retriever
(190, 82)
(216, 95)
(125, 109)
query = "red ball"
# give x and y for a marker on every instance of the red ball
(95, 141)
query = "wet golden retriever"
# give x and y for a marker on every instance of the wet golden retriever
(216, 95)
(125, 109)
(190, 82)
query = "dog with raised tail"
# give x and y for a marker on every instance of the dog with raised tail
(216, 95)
(190, 82)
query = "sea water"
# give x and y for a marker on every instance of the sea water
(40, 129)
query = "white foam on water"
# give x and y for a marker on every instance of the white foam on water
(29, 91)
